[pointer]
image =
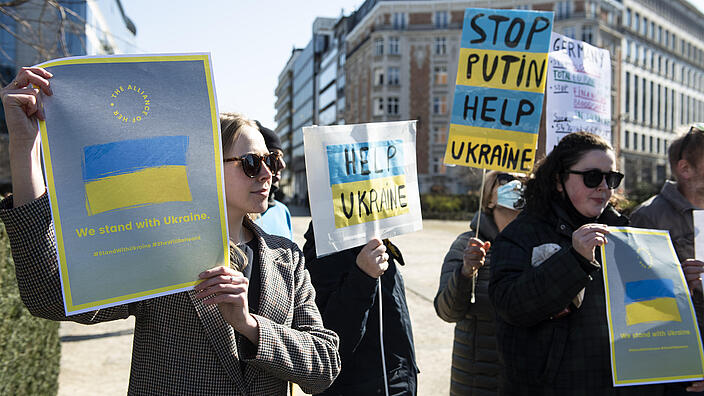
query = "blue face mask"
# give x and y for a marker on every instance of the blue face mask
(509, 194)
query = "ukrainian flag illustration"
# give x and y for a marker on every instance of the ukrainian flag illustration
(651, 300)
(132, 173)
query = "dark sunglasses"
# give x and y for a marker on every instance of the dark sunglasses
(504, 178)
(252, 163)
(592, 178)
(696, 127)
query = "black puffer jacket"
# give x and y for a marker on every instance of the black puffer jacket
(545, 352)
(475, 362)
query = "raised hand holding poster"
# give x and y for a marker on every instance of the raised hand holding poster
(131, 148)
(498, 99)
(362, 183)
(649, 310)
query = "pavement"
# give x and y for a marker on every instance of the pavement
(96, 359)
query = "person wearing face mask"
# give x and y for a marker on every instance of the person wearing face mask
(463, 296)
(276, 219)
(546, 281)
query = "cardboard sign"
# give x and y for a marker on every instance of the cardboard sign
(498, 100)
(132, 157)
(649, 310)
(362, 183)
(579, 90)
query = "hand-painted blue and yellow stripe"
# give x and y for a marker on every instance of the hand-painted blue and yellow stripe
(132, 173)
(651, 300)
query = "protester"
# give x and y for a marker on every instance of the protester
(276, 219)
(235, 333)
(476, 367)
(672, 208)
(346, 283)
(546, 284)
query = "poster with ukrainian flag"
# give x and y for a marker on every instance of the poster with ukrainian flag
(499, 89)
(133, 164)
(362, 183)
(649, 310)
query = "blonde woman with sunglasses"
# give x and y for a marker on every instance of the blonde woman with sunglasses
(248, 328)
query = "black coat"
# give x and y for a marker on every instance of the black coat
(545, 354)
(347, 300)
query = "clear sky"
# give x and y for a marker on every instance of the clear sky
(249, 40)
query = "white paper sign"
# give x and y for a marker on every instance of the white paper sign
(362, 183)
(578, 91)
(698, 219)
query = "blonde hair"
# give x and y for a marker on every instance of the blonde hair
(238, 258)
(230, 127)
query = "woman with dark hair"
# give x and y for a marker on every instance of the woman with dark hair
(463, 296)
(546, 281)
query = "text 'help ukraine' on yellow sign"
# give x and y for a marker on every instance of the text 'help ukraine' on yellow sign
(499, 93)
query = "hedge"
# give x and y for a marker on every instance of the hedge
(449, 207)
(30, 351)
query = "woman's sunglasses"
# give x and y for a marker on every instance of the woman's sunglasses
(592, 178)
(252, 163)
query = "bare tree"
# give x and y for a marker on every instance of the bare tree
(43, 27)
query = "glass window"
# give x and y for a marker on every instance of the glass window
(379, 76)
(635, 141)
(378, 106)
(440, 45)
(393, 46)
(440, 105)
(327, 116)
(394, 75)
(440, 74)
(442, 19)
(637, 25)
(379, 47)
(563, 9)
(393, 106)
(398, 20)
(587, 34)
(570, 32)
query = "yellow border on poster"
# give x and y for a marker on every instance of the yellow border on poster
(608, 312)
(205, 58)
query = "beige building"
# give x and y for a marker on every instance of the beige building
(402, 60)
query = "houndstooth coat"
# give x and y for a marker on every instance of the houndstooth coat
(181, 346)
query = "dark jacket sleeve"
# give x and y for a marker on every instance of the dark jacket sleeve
(641, 220)
(33, 243)
(524, 295)
(344, 293)
(453, 300)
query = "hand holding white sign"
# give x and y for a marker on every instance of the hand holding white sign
(373, 259)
